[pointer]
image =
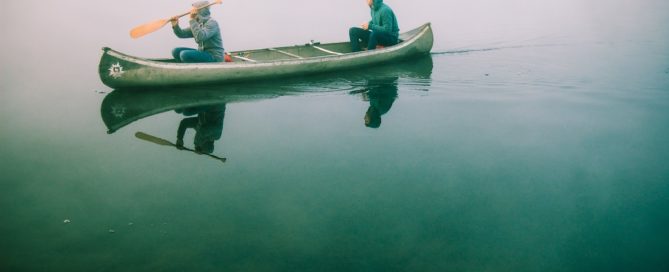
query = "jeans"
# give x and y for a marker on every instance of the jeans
(190, 55)
(371, 38)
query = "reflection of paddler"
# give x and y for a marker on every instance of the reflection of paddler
(208, 126)
(381, 94)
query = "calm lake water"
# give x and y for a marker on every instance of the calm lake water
(533, 138)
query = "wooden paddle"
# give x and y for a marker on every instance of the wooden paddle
(160, 141)
(147, 28)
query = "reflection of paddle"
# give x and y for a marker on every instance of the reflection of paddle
(358, 91)
(147, 28)
(156, 140)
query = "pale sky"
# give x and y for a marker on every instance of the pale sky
(265, 23)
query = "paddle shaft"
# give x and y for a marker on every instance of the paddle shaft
(160, 141)
(147, 28)
(208, 5)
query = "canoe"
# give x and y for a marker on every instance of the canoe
(122, 107)
(118, 70)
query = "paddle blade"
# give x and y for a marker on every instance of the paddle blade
(153, 139)
(147, 28)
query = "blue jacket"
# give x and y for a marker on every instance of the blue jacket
(206, 32)
(383, 19)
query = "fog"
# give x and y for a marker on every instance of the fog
(88, 25)
(51, 34)
(534, 138)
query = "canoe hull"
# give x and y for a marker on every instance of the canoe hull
(118, 70)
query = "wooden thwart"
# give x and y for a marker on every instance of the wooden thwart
(245, 59)
(327, 51)
(285, 53)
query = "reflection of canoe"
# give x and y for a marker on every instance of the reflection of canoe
(122, 107)
(118, 70)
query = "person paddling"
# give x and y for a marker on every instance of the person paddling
(206, 33)
(381, 30)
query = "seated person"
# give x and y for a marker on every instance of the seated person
(381, 30)
(206, 33)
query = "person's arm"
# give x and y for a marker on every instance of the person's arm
(387, 19)
(181, 33)
(203, 33)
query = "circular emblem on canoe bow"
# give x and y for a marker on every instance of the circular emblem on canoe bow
(116, 70)
(118, 111)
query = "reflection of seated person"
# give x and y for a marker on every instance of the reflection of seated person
(208, 126)
(381, 95)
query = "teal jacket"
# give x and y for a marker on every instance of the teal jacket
(206, 32)
(383, 19)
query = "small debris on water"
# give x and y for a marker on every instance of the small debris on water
(66, 221)
(111, 231)
(487, 74)
(131, 223)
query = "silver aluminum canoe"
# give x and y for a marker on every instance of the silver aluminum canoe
(118, 70)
